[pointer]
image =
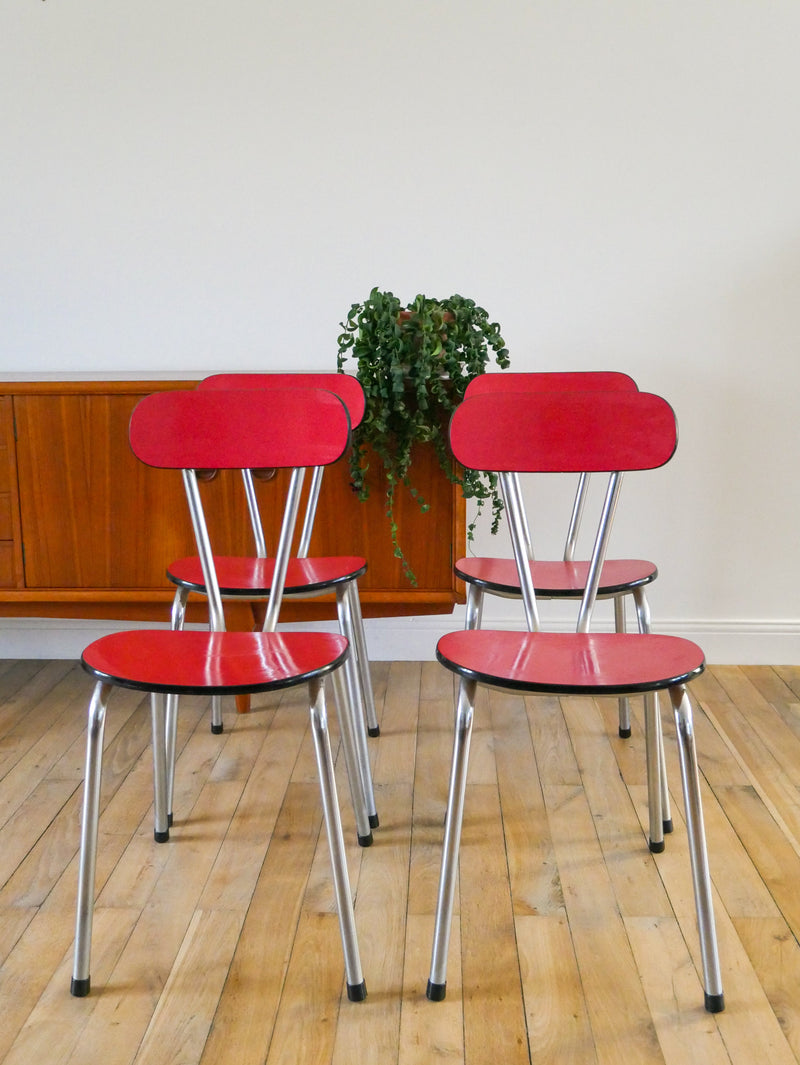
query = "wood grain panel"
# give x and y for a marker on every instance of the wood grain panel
(100, 529)
(92, 515)
(7, 575)
(10, 545)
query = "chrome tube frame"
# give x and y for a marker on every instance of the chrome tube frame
(473, 612)
(576, 517)
(311, 512)
(465, 712)
(87, 864)
(216, 616)
(356, 988)
(284, 550)
(515, 511)
(255, 514)
(695, 830)
(158, 716)
(515, 488)
(656, 738)
(356, 777)
(359, 641)
(620, 625)
(599, 551)
(352, 708)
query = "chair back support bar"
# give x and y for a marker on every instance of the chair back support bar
(563, 432)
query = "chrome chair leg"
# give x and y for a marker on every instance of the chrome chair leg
(158, 714)
(474, 607)
(653, 751)
(666, 811)
(355, 776)
(80, 984)
(177, 618)
(353, 707)
(624, 703)
(356, 987)
(171, 750)
(216, 714)
(654, 736)
(359, 643)
(465, 710)
(695, 830)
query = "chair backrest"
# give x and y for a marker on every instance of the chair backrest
(348, 389)
(198, 430)
(551, 381)
(562, 432)
(557, 381)
(189, 429)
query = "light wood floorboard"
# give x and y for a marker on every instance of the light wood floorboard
(571, 943)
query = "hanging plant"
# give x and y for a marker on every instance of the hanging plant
(414, 363)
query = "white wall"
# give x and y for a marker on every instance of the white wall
(193, 186)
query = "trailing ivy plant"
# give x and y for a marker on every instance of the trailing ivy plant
(414, 363)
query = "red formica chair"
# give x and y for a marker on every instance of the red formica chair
(190, 431)
(251, 578)
(565, 579)
(569, 432)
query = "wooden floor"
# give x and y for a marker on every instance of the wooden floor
(571, 943)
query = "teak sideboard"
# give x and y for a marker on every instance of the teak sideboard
(87, 531)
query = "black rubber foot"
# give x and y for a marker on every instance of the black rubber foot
(79, 988)
(668, 827)
(216, 730)
(656, 848)
(357, 992)
(365, 841)
(161, 837)
(624, 733)
(373, 821)
(715, 1003)
(436, 992)
(374, 731)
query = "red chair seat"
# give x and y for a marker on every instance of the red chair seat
(556, 580)
(604, 663)
(243, 576)
(157, 660)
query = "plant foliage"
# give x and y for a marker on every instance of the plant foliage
(414, 363)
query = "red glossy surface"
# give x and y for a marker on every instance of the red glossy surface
(346, 387)
(233, 430)
(571, 663)
(556, 381)
(214, 663)
(240, 575)
(557, 579)
(563, 432)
